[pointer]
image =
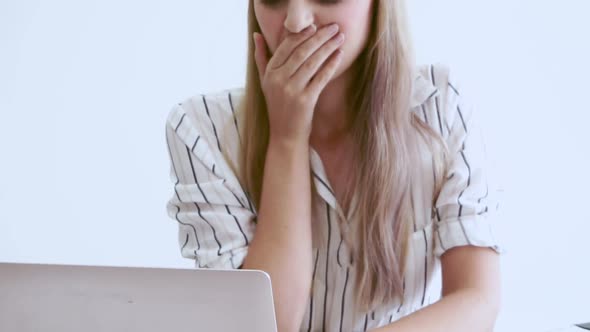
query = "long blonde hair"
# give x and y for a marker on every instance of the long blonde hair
(385, 133)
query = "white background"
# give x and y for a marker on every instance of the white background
(85, 88)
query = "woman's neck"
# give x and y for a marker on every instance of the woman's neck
(331, 119)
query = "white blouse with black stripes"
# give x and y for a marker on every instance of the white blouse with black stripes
(216, 218)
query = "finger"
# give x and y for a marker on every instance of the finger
(321, 79)
(285, 49)
(260, 54)
(310, 67)
(307, 49)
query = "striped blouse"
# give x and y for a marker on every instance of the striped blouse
(216, 218)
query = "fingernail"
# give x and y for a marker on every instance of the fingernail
(333, 28)
(254, 39)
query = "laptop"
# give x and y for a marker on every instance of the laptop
(64, 298)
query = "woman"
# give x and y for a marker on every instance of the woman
(350, 175)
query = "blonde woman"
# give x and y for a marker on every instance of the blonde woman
(354, 177)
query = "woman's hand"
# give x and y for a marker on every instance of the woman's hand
(293, 78)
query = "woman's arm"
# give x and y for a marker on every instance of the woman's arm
(465, 207)
(471, 295)
(282, 245)
(292, 80)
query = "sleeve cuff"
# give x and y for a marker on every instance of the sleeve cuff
(474, 230)
(227, 261)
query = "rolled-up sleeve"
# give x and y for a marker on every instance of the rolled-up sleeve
(466, 208)
(215, 219)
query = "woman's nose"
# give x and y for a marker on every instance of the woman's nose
(299, 16)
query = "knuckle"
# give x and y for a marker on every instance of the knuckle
(309, 65)
(300, 99)
(299, 55)
(290, 92)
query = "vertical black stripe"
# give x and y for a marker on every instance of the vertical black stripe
(432, 74)
(176, 190)
(366, 321)
(324, 183)
(438, 115)
(448, 128)
(433, 171)
(212, 124)
(424, 113)
(462, 119)
(467, 186)
(177, 195)
(249, 202)
(413, 208)
(315, 265)
(179, 122)
(173, 166)
(338, 251)
(440, 239)
(425, 266)
(454, 89)
(461, 194)
(437, 228)
(231, 105)
(195, 144)
(211, 226)
(343, 298)
(237, 223)
(327, 267)
(436, 102)
(189, 225)
(432, 94)
(195, 175)
(205, 197)
(193, 150)
(237, 199)
(185, 242)
(403, 297)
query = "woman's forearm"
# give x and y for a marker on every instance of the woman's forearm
(282, 243)
(467, 310)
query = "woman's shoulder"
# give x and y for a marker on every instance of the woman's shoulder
(220, 104)
(207, 123)
(443, 101)
(433, 80)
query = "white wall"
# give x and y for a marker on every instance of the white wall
(85, 88)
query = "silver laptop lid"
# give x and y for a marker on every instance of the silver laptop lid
(41, 297)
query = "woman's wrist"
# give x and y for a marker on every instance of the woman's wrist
(288, 146)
